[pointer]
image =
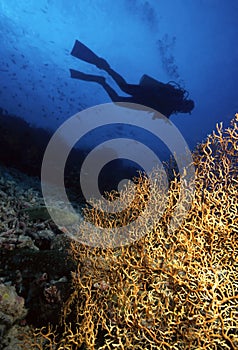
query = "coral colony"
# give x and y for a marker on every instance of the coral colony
(164, 291)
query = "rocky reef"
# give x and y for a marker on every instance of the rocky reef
(35, 268)
(166, 290)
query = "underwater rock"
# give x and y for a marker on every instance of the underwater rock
(44, 213)
(12, 307)
(45, 298)
(43, 238)
(32, 263)
(59, 243)
(15, 338)
(11, 242)
(35, 269)
(37, 213)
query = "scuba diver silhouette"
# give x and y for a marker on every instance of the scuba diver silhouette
(167, 98)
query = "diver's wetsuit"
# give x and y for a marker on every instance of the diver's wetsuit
(139, 94)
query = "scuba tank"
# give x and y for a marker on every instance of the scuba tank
(171, 89)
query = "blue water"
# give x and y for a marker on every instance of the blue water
(192, 42)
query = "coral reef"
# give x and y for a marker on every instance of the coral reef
(35, 269)
(14, 339)
(174, 290)
(11, 307)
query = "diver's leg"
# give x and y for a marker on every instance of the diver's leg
(75, 74)
(130, 89)
(102, 81)
(97, 79)
(110, 91)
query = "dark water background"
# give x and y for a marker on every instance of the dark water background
(191, 42)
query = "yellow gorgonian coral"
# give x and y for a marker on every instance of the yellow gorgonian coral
(174, 290)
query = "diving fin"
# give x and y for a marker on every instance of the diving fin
(75, 74)
(82, 52)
